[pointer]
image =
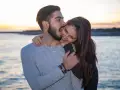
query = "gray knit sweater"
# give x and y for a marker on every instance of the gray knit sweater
(40, 67)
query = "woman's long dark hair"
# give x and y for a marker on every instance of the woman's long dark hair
(85, 48)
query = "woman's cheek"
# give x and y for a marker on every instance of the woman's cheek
(71, 41)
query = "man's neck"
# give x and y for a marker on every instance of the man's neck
(49, 40)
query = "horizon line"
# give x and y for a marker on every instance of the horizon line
(36, 27)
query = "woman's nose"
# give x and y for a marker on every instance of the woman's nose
(66, 37)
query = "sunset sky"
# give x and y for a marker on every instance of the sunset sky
(21, 14)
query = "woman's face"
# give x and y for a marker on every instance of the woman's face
(68, 34)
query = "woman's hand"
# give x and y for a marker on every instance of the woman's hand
(69, 61)
(37, 40)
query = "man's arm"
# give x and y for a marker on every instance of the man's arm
(51, 78)
(29, 69)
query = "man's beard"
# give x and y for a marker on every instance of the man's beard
(53, 33)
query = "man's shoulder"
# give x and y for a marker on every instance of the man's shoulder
(27, 47)
(31, 48)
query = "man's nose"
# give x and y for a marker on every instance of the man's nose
(62, 23)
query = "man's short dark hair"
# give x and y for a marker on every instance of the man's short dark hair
(45, 12)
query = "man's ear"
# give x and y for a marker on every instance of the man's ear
(45, 26)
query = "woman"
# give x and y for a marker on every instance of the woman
(78, 32)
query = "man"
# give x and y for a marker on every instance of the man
(42, 65)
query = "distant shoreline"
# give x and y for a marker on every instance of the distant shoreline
(95, 32)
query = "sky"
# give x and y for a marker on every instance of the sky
(21, 14)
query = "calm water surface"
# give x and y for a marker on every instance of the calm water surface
(12, 78)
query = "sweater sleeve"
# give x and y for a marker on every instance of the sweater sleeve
(76, 70)
(51, 78)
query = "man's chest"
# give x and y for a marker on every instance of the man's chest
(49, 60)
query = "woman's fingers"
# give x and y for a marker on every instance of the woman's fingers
(37, 40)
(72, 54)
(66, 55)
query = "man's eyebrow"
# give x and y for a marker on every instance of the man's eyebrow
(59, 17)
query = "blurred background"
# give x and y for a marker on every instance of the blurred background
(18, 26)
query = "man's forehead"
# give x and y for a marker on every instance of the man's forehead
(57, 14)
